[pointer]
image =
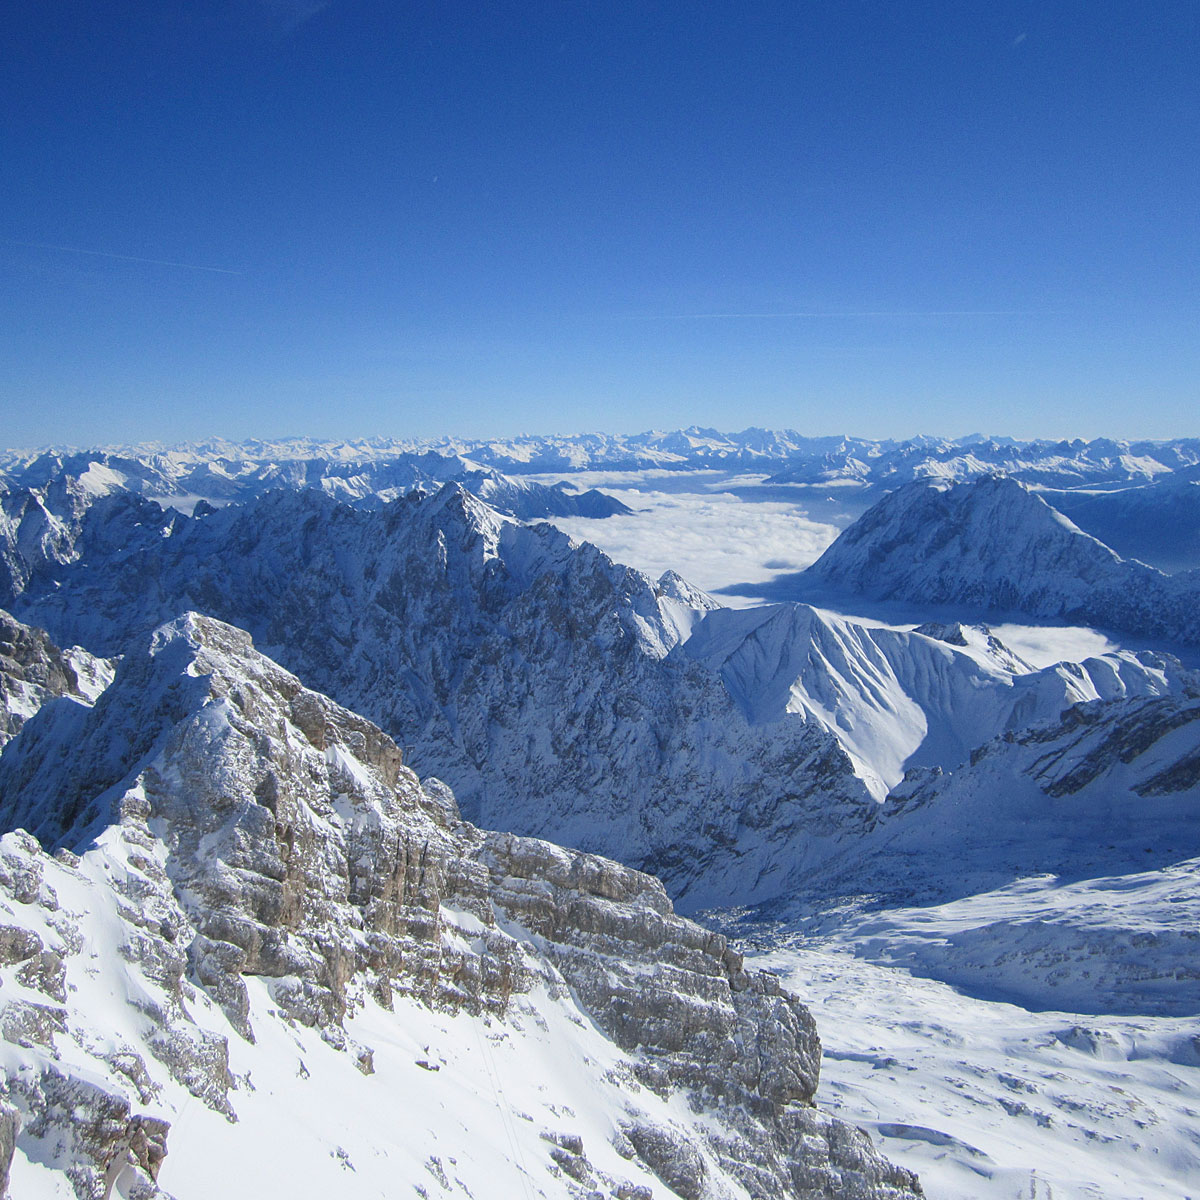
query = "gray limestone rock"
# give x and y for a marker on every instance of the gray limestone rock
(671, 1157)
(262, 830)
(33, 671)
(10, 1125)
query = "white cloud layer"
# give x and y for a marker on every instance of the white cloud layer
(712, 538)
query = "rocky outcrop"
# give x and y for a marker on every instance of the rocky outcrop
(10, 1124)
(34, 670)
(533, 674)
(235, 827)
(565, 696)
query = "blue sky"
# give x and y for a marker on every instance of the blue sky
(255, 218)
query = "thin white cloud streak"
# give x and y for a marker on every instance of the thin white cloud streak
(157, 262)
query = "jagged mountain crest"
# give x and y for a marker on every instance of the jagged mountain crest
(534, 673)
(796, 458)
(223, 473)
(564, 695)
(895, 700)
(34, 671)
(265, 861)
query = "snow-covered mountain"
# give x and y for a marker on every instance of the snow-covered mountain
(534, 675)
(1063, 465)
(221, 473)
(1158, 523)
(793, 457)
(345, 468)
(909, 809)
(896, 700)
(1109, 785)
(565, 696)
(264, 958)
(993, 544)
(33, 670)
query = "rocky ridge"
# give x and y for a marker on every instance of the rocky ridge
(535, 675)
(565, 696)
(33, 670)
(246, 861)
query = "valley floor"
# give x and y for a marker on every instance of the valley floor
(990, 1101)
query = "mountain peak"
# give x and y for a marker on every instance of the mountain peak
(992, 544)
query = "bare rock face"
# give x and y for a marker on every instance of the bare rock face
(33, 670)
(241, 827)
(536, 676)
(10, 1123)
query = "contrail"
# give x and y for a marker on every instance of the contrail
(157, 262)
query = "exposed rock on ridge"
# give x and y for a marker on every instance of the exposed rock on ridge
(534, 674)
(566, 696)
(236, 827)
(34, 670)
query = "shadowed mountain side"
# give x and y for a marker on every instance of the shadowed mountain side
(249, 873)
(1158, 524)
(533, 674)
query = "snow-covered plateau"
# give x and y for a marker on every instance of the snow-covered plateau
(942, 796)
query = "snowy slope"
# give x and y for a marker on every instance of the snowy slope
(1110, 785)
(995, 545)
(33, 671)
(989, 1100)
(896, 699)
(266, 960)
(1005, 968)
(533, 674)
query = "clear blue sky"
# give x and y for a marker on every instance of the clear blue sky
(264, 217)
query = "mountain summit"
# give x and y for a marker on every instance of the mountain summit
(994, 544)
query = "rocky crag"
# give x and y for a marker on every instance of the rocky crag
(34, 670)
(533, 674)
(565, 696)
(221, 863)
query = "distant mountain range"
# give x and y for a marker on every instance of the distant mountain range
(219, 474)
(352, 469)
